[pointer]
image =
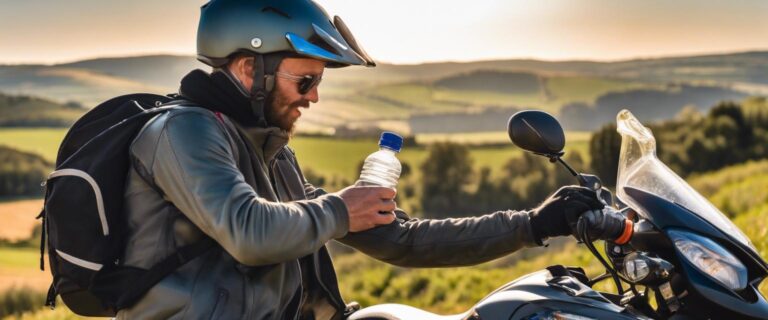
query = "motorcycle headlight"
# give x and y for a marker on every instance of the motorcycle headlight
(711, 258)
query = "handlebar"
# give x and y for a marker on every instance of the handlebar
(606, 224)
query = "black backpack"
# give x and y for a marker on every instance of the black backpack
(83, 212)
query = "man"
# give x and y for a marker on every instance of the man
(220, 168)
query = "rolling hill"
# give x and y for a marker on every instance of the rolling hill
(25, 111)
(396, 96)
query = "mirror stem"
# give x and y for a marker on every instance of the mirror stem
(573, 172)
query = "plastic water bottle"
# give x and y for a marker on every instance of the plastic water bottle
(382, 168)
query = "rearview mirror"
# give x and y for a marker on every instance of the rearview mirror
(537, 132)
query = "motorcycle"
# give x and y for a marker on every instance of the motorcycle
(675, 244)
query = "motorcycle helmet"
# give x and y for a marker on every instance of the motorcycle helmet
(271, 30)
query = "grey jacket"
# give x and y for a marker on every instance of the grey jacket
(195, 174)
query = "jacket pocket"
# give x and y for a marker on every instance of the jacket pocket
(222, 295)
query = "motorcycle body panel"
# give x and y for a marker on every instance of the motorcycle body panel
(700, 288)
(519, 299)
(540, 291)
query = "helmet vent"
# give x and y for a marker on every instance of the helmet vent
(277, 11)
(318, 41)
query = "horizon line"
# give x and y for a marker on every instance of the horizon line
(575, 59)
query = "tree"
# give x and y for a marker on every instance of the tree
(21, 172)
(604, 147)
(445, 174)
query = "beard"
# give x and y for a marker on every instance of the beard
(279, 112)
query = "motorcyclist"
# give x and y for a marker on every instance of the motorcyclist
(220, 168)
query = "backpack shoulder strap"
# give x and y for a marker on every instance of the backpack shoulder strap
(162, 269)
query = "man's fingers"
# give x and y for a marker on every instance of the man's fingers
(387, 205)
(385, 193)
(385, 217)
(587, 199)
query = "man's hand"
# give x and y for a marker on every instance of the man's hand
(364, 205)
(558, 214)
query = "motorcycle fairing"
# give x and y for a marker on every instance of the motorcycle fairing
(537, 288)
(665, 215)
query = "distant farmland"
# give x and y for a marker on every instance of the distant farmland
(325, 155)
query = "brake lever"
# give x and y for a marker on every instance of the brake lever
(594, 183)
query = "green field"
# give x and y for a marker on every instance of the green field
(494, 137)
(327, 156)
(426, 98)
(43, 141)
(488, 98)
(342, 157)
(12, 259)
(21, 267)
(586, 89)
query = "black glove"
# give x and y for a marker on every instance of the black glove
(558, 215)
(604, 224)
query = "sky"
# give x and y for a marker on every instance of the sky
(405, 31)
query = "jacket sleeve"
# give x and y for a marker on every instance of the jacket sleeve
(193, 165)
(445, 242)
(411, 242)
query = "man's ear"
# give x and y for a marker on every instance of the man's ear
(247, 67)
(242, 68)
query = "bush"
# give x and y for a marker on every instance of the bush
(21, 173)
(15, 301)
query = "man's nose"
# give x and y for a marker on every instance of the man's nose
(313, 95)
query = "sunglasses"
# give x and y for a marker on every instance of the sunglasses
(306, 82)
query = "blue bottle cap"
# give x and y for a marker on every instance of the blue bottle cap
(391, 140)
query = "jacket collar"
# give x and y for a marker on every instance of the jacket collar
(219, 92)
(268, 140)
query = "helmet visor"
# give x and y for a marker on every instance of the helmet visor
(350, 39)
(346, 51)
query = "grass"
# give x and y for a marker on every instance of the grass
(709, 183)
(735, 189)
(20, 267)
(43, 141)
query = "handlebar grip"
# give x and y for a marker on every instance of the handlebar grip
(607, 224)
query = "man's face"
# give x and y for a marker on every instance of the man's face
(283, 107)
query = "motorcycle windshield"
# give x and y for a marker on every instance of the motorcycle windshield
(640, 168)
